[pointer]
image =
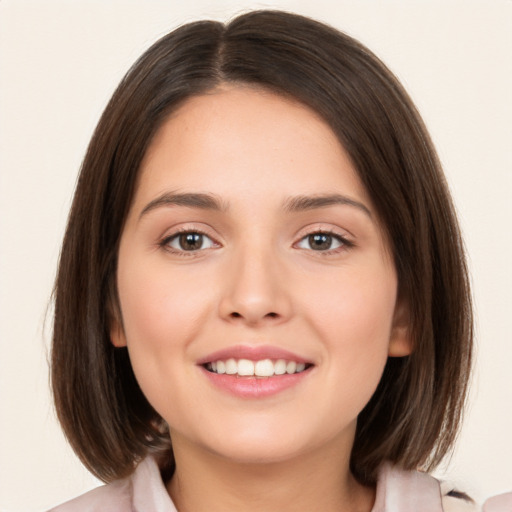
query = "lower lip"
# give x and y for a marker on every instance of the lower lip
(255, 387)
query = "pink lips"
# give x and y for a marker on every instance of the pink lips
(252, 353)
(252, 386)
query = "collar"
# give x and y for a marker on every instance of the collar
(404, 491)
(397, 490)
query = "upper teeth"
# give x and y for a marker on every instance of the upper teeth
(262, 368)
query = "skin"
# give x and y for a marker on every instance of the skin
(257, 280)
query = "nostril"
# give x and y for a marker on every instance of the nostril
(235, 314)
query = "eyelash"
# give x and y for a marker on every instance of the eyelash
(164, 243)
(344, 243)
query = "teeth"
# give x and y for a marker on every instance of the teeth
(220, 367)
(231, 367)
(262, 368)
(280, 367)
(245, 367)
(291, 367)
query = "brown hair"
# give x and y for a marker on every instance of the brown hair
(412, 418)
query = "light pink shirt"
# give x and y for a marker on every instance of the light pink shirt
(397, 491)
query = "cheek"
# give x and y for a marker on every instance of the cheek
(354, 305)
(160, 308)
(161, 318)
(354, 317)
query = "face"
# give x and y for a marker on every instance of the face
(256, 287)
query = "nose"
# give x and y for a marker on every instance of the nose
(255, 290)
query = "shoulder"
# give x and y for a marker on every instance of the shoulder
(500, 503)
(143, 490)
(402, 491)
(114, 497)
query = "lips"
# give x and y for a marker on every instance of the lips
(254, 372)
(252, 353)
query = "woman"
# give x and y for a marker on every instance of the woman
(264, 282)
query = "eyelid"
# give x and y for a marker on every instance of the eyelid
(343, 238)
(175, 232)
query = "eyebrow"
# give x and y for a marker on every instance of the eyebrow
(206, 201)
(303, 203)
(191, 200)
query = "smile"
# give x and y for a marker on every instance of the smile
(255, 371)
(260, 368)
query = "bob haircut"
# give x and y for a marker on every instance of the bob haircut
(413, 417)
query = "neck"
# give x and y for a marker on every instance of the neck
(320, 480)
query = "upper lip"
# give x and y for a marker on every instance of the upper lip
(252, 353)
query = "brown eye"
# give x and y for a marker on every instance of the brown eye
(190, 241)
(321, 242)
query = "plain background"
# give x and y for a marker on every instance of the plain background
(59, 63)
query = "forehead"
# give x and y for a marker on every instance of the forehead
(244, 141)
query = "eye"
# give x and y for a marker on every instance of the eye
(189, 241)
(322, 242)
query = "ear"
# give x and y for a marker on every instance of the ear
(116, 331)
(117, 337)
(400, 342)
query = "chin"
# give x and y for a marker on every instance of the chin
(258, 455)
(262, 444)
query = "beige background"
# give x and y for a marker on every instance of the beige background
(59, 63)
